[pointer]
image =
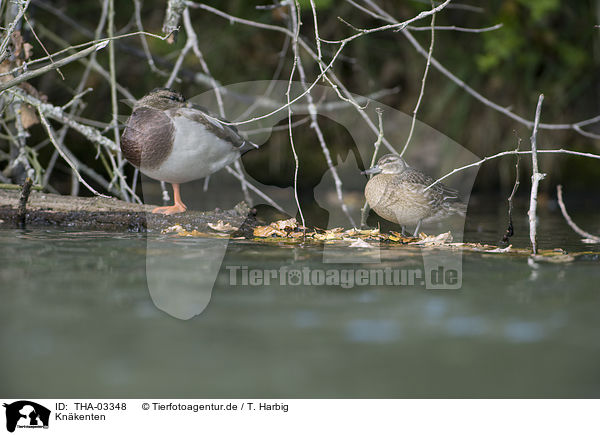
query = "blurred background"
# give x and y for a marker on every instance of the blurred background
(549, 47)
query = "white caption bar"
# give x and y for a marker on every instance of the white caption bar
(261, 416)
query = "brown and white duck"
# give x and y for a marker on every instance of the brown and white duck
(175, 141)
(401, 194)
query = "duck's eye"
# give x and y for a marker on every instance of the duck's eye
(172, 97)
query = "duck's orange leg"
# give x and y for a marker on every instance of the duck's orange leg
(177, 207)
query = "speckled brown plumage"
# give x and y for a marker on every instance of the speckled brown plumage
(148, 138)
(399, 194)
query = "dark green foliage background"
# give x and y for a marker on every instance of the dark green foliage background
(545, 46)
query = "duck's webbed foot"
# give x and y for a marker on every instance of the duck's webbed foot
(171, 209)
(177, 207)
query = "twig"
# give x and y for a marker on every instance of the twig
(256, 190)
(392, 26)
(165, 193)
(138, 20)
(85, 44)
(192, 42)
(364, 211)
(91, 63)
(312, 110)
(21, 142)
(509, 153)
(535, 179)
(31, 74)
(422, 91)
(172, 17)
(113, 100)
(22, 210)
(11, 27)
(572, 224)
(326, 72)
(296, 31)
(48, 7)
(317, 37)
(76, 98)
(456, 28)
(46, 125)
(380, 13)
(460, 6)
(510, 229)
(59, 72)
(58, 114)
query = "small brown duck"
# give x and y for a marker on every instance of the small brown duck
(172, 140)
(397, 193)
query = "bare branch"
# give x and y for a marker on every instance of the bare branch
(364, 211)
(138, 21)
(510, 229)
(536, 177)
(62, 154)
(58, 114)
(380, 13)
(393, 26)
(457, 28)
(172, 18)
(22, 5)
(422, 91)
(315, 124)
(509, 153)
(296, 29)
(31, 74)
(572, 224)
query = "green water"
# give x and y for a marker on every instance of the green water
(77, 320)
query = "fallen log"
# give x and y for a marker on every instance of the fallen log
(109, 214)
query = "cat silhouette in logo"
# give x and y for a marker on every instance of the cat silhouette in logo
(31, 411)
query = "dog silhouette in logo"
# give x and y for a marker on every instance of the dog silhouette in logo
(31, 411)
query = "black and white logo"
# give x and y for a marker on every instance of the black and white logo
(26, 414)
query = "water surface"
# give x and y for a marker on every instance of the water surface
(76, 320)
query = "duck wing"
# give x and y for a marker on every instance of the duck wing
(216, 125)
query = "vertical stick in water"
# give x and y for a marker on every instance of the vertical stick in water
(536, 176)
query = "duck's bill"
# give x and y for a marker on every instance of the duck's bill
(371, 171)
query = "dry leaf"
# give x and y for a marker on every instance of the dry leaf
(222, 226)
(196, 233)
(27, 50)
(371, 233)
(174, 229)
(500, 250)
(283, 224)
(438, 240)
(267, 231)
(328, 236)
(360, 243)
(28, 116)
(17, 43)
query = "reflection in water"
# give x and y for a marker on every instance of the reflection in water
(78, 320)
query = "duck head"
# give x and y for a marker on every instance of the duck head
(388, 164)
(161, 99)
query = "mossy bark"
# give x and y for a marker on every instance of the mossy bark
(108, 214)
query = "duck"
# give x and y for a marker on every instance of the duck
(399, 194)
(172, 140)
